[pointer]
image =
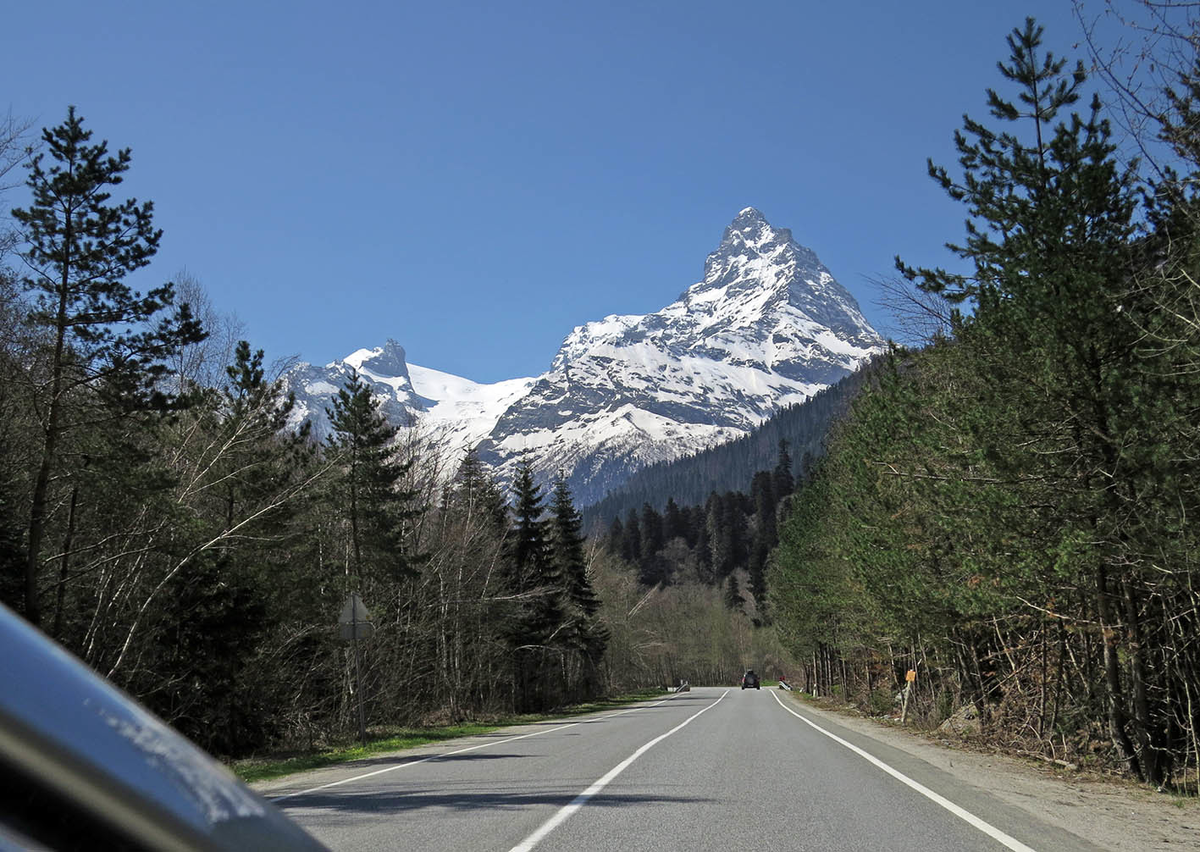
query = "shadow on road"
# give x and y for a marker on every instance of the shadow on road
(399, 759)
(408, 800)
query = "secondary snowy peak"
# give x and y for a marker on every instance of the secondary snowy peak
(387, 360)
(453, 412)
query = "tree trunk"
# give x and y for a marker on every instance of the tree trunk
(1112, 677)
(64, 565)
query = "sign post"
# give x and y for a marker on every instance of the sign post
(353, 624)
(910, 679)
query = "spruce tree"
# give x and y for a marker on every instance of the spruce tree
(631, 551)
(377, 508)
(733, 594)
(652, 567)
(104, 338)
(537, 588)
(616, 536)
(784, 483)
(674, 521)
(566, 550)
(475, 490)
(588, 634)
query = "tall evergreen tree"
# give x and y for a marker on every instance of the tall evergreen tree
(475, 490)
(537, 588)
(104, 337)
(674, 521)
(784, 483)
(616, 536)
(652, 567)
(378, 510)
(733, 593)
(566, 550)
(631, 550)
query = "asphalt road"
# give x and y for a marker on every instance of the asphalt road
(710, 769)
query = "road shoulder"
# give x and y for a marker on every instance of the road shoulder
(1108, 813)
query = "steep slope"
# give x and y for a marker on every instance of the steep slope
(731, 466)
(767, 327)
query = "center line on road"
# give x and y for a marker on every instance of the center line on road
(579, 801)
(449, 753)
(965, 815)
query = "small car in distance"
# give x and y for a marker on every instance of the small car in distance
(750, 679)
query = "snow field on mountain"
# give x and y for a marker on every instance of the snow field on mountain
(767, 326)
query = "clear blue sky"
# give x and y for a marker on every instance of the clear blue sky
(476, 179)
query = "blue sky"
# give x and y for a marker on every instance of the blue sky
(476, 179)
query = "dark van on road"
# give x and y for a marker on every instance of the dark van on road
(750, 679)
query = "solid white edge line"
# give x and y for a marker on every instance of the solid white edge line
(963, 814)
(276, 799)
(579, 801)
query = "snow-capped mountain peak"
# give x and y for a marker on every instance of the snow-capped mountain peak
(386, 360)
(767, 326)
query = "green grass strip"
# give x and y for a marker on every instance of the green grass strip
(399, 739)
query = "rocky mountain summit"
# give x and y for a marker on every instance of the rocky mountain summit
(767, 326)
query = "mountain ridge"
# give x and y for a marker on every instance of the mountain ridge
(766, 327)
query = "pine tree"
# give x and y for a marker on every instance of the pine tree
(537, 588)
(105, 338)
(378, 510)
(784, 483)
(566, 549)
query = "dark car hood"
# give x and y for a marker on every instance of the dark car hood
(69, 730)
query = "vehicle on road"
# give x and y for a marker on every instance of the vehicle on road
(84, 767)
(750, 680)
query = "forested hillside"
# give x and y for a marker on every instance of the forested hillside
(722, 543)
(730, 466)
(1010, 510)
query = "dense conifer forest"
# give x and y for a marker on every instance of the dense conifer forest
(730, 466)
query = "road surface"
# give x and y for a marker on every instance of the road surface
(710, 769)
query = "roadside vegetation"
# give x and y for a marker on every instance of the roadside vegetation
(161, 519)
(386, 740)
(1009, 509)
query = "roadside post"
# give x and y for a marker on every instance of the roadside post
(909, 678)
(353, 624)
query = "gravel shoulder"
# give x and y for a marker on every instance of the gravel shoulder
(1110, 813)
